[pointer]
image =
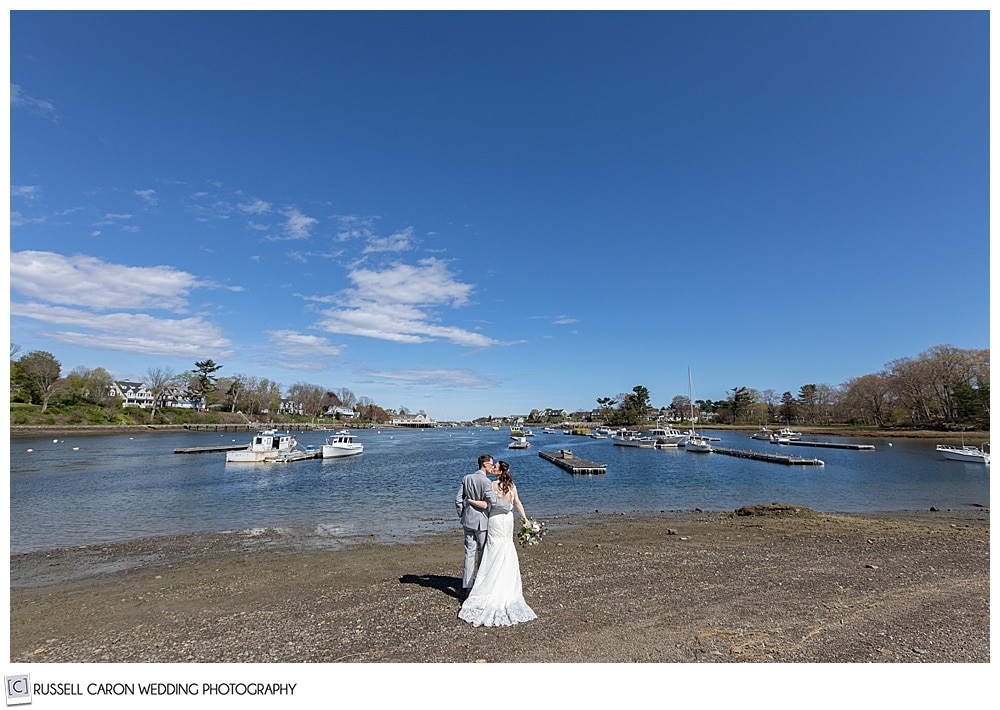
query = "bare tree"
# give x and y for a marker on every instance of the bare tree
(157, 381)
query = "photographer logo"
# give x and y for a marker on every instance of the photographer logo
(18, 689)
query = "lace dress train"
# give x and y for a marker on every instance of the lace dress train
(496, 599)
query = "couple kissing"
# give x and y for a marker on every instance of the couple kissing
(492, 596)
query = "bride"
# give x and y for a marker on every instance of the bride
(496, 599)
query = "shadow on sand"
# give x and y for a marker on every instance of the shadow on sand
(449, 585)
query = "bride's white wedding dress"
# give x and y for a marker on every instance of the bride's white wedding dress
(495, 599)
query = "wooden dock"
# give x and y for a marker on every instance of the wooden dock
(210, 449)
(765, 456)
(829, 445)
(565, 459)
(298, 455)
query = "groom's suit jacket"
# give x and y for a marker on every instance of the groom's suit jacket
(476, 486)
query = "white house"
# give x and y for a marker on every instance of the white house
(341, 413)
(135, 394)
(413, 420)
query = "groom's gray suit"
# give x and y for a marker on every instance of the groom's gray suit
(476, 486)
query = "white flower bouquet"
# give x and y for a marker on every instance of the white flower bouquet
(531, 532)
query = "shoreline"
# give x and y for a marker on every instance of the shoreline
(25, 431)
(781, 583)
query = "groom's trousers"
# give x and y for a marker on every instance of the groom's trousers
(475, 540)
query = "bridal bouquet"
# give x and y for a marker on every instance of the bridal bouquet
(531, 532)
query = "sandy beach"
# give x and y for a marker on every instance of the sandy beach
(774, 584)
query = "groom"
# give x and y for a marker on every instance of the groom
(474, 521)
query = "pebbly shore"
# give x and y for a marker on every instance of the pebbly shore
(773, 584)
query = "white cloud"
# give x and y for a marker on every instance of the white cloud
(39, 107)
(88, 282)
(147, 196)
(297, 225)
(294, 343)
(461, 378)
(394, 305)
(128, 332)
(26, 192)
(18, 220)
(400, 241)
(255, 207)
(428, 282)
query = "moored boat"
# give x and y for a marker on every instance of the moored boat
(625, 437)
(694, 441)
(762, 434)
(519, 443)
(267, 445)
(342, 444)
(969, 454)
(666, 437)
(787, 433)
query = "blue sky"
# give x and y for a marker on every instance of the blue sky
(484, 213)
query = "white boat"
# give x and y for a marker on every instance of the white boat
(548, 430)
(969, 454)
(341, 444)
(528, 432)
(694, 441)
(267, 445)
(625, 437)
(787, 433)
(668, 436)
(519, 442)
(763, 434)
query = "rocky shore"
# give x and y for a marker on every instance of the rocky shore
(773, 584)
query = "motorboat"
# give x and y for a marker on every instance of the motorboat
(625, 437)
(548, 430)
(787, 433)
(516, 432)
(267, 445)
(341, 444)
(762, 434)
(667, 436)
(528, 432)
(519, 442)
(969, 454)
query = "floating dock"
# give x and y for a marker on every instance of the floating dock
(565, 459)
(298, 455)
(765, 456)
(828, 445)
(210, 449)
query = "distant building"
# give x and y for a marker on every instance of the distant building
(289, 406)
(341, 413)
(412, 420)
(135, 394)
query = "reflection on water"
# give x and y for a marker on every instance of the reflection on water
(93, 489)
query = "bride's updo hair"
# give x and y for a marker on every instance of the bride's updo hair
(504, 481)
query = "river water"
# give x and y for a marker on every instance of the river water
(114, 488)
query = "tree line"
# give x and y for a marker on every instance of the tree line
(36, 378)
(943, 386)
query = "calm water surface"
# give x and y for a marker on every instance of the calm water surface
(93, 489)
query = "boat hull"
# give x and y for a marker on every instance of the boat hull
(337, 452)
(967, 454)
